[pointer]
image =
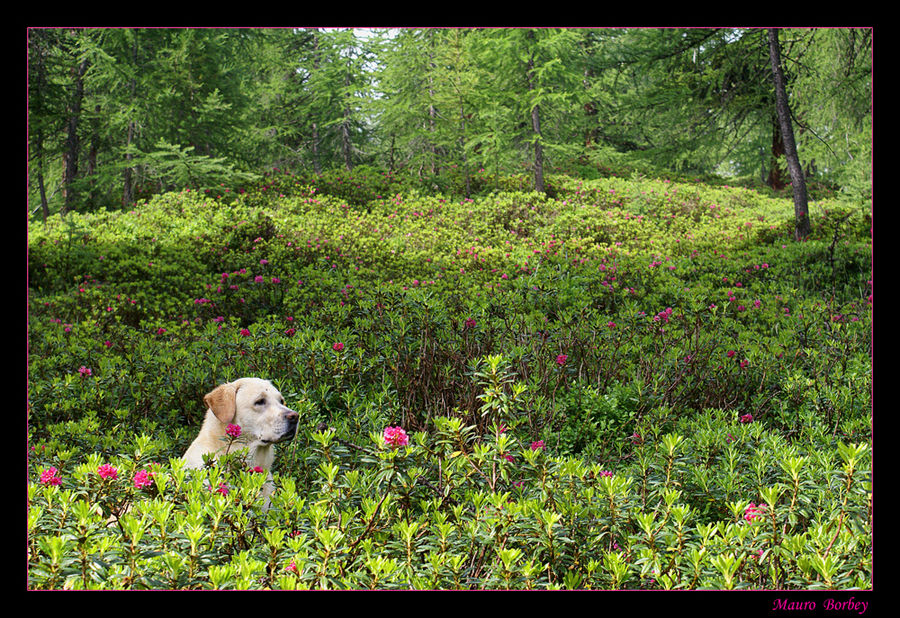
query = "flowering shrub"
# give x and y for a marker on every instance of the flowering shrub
(395, 437)
(630, 384)
(353, 516)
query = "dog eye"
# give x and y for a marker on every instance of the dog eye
(260, 402)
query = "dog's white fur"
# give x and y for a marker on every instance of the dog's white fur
(258, 408)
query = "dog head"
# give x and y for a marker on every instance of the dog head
(257, 407)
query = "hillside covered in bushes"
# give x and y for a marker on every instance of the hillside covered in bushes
(620, 382)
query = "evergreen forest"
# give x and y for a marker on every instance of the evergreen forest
(558, 308)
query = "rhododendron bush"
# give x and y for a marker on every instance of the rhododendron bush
(632, 384)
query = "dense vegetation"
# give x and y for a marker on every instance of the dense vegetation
(596, 388)
(589, 355)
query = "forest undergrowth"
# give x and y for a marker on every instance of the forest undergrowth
(621, 383)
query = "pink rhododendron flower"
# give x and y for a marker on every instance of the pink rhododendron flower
(143, 478)
(747, 418)
(337, 347)
(49, 477)
(233, 430)
(395, 437)
(107, 471)
(663, 316)
(753, 512)
(84, 371)
(537, 444)
(561, 359)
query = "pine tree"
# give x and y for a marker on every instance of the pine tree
(798, 181)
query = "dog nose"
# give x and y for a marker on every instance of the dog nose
(291, 415)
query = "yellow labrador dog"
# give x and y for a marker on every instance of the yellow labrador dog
(257, 407)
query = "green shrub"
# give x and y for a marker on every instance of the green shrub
(596, 385)
(735, 506)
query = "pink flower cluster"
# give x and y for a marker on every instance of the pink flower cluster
(337, 347)
(107, 471)
(233, 431)
(537, 444)
(50, 476)
(663, 316)
(395, 437)
(561, 359)
(143, 478)
(753, 512)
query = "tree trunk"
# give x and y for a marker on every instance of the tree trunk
(432, 111)
(73, 146)
(538, 150)
(37, 80)
(92, 154)
(127, 175)
(127, 182)
(345, 128)
(798, 182)
(592, 131)
(432, 114)
(462, 148)
(775, 179)
(431, 146)
(39, 157)
(536, 129)
(45, 208)
(317, 165)
(391, 155)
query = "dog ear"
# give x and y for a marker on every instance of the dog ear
(222, 402)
